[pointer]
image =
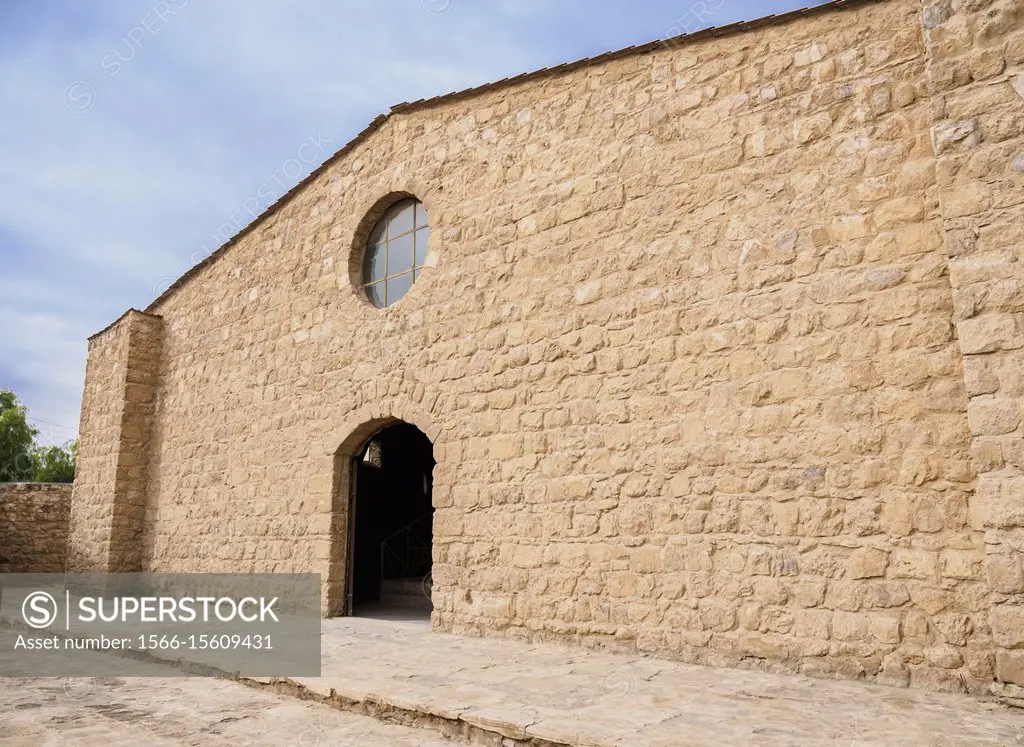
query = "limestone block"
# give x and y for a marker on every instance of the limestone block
(994, 416)
(949, 135)
(868, 563)
(1001, 499)
(989, 333)
(919, 564)
(1010, 666)
(967, 199)
(1005, 572)
(1008, 625)
(813, 128)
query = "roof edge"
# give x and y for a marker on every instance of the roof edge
(405, 107)
(120, 319)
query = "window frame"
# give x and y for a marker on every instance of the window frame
(381, 231)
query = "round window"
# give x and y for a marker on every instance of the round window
(395, 252)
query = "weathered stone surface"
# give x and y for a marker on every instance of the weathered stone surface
(869, 563)
(608, 698)
(34, 527)
(176, 711)
(989, 333)
(1010, 667)
(690, 348)
(110, 494)
(1008, 625)
(975, 50)
(396, 684)
(936, 14)
(1006, 573)
(948, 135)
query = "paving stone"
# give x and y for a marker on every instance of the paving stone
(574, 696)
(170, 712)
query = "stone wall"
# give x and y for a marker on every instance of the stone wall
(34, 527)
(686, 352)
(976, 72)
(107, 519)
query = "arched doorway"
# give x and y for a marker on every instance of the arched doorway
(391, 524)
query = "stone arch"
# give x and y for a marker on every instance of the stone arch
(334, 456)
(366, 420)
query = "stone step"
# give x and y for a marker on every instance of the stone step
(510, 693)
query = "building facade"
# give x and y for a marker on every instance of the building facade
(717, 343)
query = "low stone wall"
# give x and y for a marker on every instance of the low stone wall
(34, 527)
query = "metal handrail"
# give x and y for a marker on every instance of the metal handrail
(418, 550)
(406, 528)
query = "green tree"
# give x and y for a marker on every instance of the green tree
(55, 463)
(16, 440)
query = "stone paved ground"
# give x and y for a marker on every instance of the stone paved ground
(563, 695)
(574, 696)
(116, 712)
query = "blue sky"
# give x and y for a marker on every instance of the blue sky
(136, 134)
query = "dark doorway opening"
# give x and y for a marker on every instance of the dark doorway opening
(392, 530)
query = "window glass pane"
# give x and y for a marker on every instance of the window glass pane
(373, 264)
(401, 218)
(398, 287)
(396, 251)
(376, 294)
(422, 235)
(377, 234)
(400, 254)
